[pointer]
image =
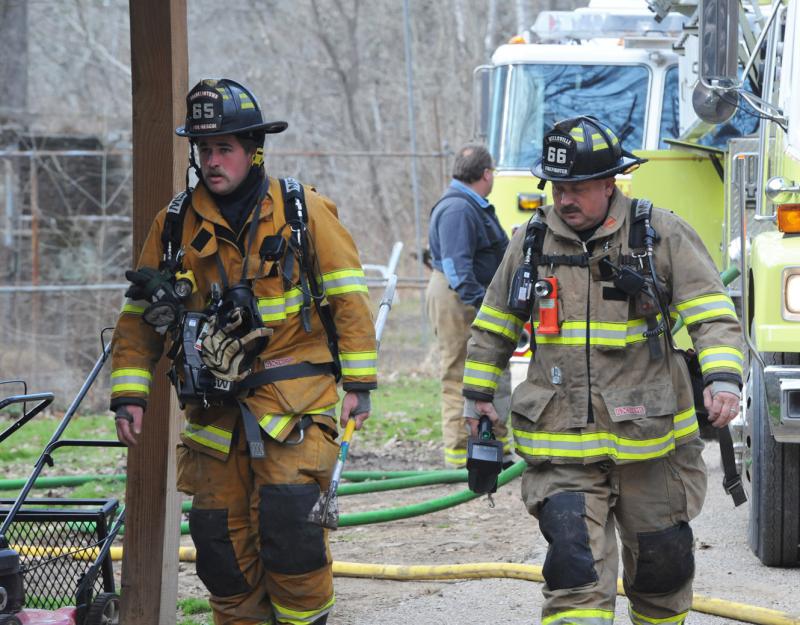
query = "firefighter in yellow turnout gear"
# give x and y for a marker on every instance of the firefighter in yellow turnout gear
(278, 309)
(605, 418)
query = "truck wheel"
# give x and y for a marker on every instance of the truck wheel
(104, 610)
(10, 620)
(774, 475)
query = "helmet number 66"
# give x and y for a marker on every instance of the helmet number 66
(203, 110)
(557, 155)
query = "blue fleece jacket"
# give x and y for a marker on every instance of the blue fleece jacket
(466, 241)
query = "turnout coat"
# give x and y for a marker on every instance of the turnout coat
(593, 391)
(277, 406)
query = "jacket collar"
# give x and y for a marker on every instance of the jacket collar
(204, 205)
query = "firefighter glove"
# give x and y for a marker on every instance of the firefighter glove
(223, 351)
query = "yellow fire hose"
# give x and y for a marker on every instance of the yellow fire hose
(740, 612)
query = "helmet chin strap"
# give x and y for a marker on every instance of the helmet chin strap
(192, 164)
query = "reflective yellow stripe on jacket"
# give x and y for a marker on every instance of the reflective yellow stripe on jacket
(605, 333)
(482, 374)
(706, 307)
(278, 308)
(720, 357)
(127, 380)
(359, 363)
(594, 444)
(209, 436)
(496, 321)
(273, 425)
(580, 617)
(134, 306)
(344, 281)
(301, 617)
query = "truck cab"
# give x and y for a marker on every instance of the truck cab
(724, 153)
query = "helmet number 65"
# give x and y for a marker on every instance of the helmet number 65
(203, 110)
(557, 155)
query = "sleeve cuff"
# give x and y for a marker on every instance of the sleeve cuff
(721, 376)
(477, 395)
(358, 387)
(728, 387)
(123, 401)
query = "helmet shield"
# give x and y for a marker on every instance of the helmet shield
(221, 107)
(582, 148)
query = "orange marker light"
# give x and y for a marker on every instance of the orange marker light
(788, 218)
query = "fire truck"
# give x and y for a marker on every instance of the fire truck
(702, 88)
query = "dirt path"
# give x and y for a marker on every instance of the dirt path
(473, 532)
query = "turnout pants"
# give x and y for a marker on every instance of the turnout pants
(257, 554)
(650, 504)
(451, 320)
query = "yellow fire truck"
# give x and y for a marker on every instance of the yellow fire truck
(720, 125)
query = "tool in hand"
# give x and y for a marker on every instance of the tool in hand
(326, 510)
(484, 460)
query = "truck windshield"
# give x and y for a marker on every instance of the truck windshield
(528, 99)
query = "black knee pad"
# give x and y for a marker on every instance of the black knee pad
(569, 562)
(290, 543)
(216, 563)
(666, 560)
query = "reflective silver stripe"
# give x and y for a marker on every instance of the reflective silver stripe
(130, 379)
(498, 322)
(209, 435)
(344, 281)
(481, 374)
(294, 300)
(277, 308)
(593, 444)
(706, 307)
(590, 445)
(455, 457)
(359, 363)
(273, 425)
(716, 357)
(272, 308)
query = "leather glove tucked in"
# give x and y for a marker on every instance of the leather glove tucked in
(158, 288)
(223, 352)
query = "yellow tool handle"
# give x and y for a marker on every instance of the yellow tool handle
(348, 430)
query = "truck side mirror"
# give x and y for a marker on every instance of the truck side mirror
(481, 100)
(715, 98)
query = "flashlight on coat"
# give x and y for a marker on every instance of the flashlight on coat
(546, 291)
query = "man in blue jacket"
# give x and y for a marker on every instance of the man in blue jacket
(467, 244)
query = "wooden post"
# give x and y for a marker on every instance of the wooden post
(159, 68)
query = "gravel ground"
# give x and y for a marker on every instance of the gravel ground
(474, 532)
(726, 569)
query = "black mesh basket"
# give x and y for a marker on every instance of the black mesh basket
(58, 541)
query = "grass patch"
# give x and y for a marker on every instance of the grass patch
(194, 606)
(27, 443)
(405, 409)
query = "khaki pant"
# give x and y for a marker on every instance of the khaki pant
(257, 554)
(650, 504)
(451, 320)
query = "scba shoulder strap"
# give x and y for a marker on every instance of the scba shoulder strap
(296, 216)
(172, 234)
(535, 231)
(641, 215)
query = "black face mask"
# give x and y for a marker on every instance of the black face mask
(237, 205)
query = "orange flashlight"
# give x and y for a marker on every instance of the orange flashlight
(546, 290)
